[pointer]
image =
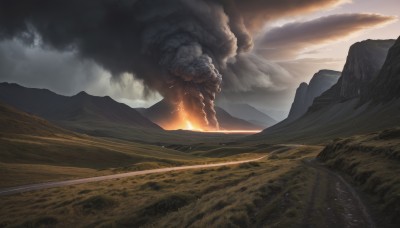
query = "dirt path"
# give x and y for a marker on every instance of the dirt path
(31, 187)
(333, 202)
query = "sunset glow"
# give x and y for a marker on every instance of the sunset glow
(183, 121)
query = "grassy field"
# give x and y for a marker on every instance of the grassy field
(29, 159)
(274, 192)
(35, 150)
(373, 163)
(270, 192)
(143, 135)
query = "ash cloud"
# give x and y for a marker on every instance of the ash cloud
(179, 48)
(289, 40)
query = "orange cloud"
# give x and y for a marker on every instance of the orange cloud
(256, 13)
(289, 40)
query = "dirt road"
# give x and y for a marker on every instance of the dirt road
(31, 187)
(333, 202)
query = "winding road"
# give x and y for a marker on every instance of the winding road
(334, 202)
(32, 187)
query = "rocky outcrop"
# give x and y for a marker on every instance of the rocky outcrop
(298, 106)
(364, 61)
(386, 86)
(363, 64)
(363, 100)
(306, 93)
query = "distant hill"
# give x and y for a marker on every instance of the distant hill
(305, 93)
(13, 121)
(97, 116)
(82, 107)
(163, 113)
(229, 122)
(250, 114)
(365, 99)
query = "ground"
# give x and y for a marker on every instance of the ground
(344, 184)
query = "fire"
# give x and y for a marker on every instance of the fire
(182, 120)
(189, 125)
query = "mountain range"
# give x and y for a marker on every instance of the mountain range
(249, 113)
(103, 116)
(364, 99)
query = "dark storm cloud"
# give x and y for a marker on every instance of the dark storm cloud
(170, 45)
(63, 73)
(35, 67)
(290, 39)
(249, 71)
(177, 47)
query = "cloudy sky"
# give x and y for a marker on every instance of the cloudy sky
(290, 43)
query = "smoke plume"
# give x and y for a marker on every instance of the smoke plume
(176, 47)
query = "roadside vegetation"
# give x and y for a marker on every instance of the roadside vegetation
(373, 163)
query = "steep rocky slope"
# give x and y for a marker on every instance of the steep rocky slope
(364, 61)
(386, 86)
(305, 93)
(340, 111)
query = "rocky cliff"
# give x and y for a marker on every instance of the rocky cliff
(386, 86)
(363, 100)
(364, 61)
(305, 93)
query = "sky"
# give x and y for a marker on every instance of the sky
(290, 43)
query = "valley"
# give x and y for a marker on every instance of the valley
(199, 113)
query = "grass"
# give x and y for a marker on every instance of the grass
(35, 150)
(28, 159)
(44, 158)
(267, 192)
(144, 135)
(373, 163)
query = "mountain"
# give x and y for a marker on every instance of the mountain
(305, 93)
(364, 61)
(250, 114)
(13, 121)
(386, 86)
(162, 113)
(229, 122)
(350, 106)
(83, 113)
(81, 107)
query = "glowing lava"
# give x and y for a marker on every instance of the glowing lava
(182, 120)
(189, 125)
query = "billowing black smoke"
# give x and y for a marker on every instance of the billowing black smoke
(177, 47)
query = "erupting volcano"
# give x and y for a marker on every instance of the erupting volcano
(179, 49)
